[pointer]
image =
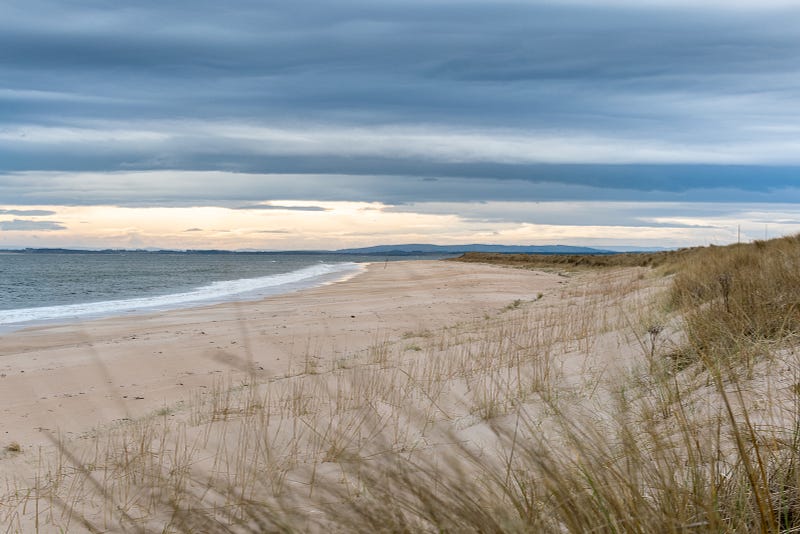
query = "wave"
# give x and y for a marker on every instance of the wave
(246, 288)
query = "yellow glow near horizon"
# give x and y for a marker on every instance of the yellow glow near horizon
(277, 225)
(299, 224)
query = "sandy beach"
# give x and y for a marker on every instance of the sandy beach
(381, 398)
(68, 380)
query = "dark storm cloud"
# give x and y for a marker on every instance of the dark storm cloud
(556, 99)
(26, 225)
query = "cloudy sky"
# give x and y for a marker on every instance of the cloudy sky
(318, 124)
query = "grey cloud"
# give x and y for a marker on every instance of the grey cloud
(635, 214)
(686, 102)
(392, 61)
(281, 208)
(27, 213)
(624, 183)
(26, 225)
(777, 220)
(193, 230)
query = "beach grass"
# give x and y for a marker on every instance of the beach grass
(660, 393)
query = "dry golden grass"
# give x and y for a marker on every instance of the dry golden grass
(539, 261)
(579, 411)
(740, 299)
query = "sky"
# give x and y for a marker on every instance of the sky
(321, 125)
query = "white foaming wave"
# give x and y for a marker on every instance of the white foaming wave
(215, 292)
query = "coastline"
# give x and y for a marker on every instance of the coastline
(67, 380)
(225, 291)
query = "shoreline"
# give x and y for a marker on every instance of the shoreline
(68, 380)
(12, 320)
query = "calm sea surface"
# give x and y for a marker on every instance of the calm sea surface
(54, 286)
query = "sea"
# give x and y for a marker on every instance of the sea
(38, 287)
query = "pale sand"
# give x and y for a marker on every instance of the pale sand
(73, 378)
(370, 369)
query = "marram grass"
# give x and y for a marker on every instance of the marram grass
(625, 403)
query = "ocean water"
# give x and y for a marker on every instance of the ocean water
(59, 287)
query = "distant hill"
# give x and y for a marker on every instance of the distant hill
(460, 249)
